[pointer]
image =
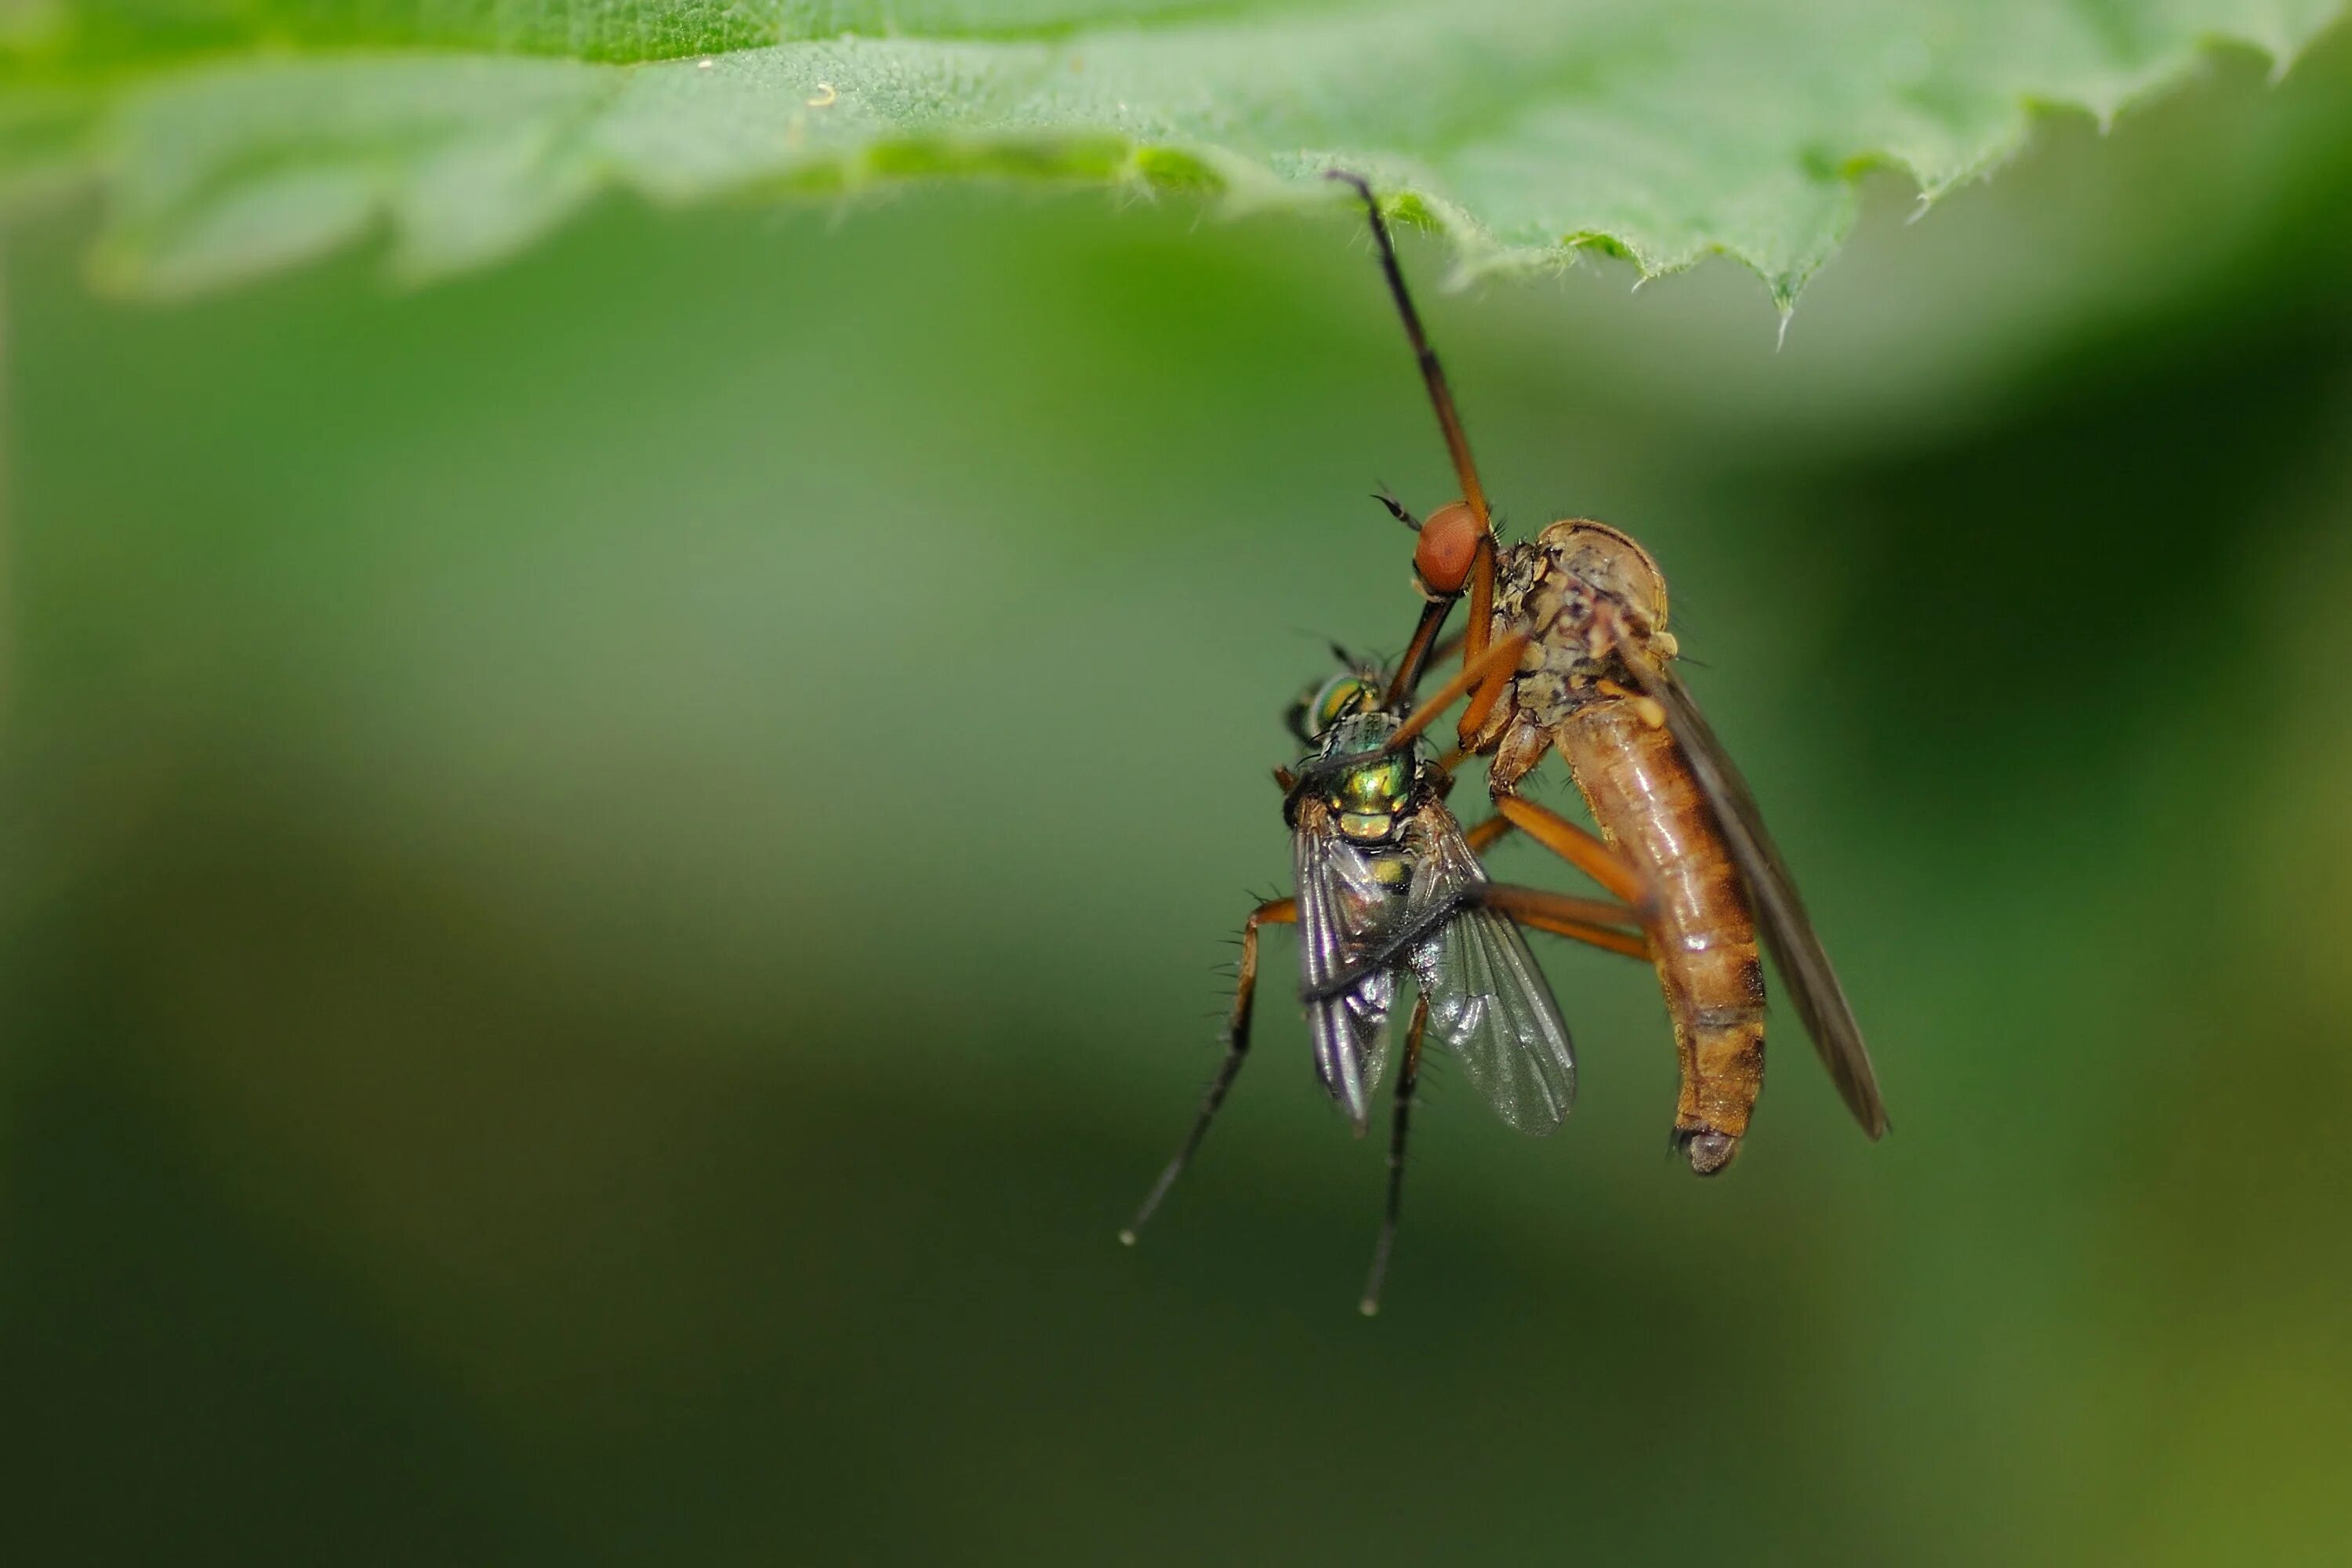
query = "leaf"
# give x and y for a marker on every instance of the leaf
(229, 140)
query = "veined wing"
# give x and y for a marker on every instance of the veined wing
(1488, 1002)
(1343, 914)
(1787, 930)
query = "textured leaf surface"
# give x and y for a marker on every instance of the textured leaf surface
(233, 139)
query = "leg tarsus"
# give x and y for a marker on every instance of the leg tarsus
(1274, 911)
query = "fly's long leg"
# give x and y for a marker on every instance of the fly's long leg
(1274, 911)
(1479, 573)
(1417, 654)
(1585, 851)
(1482, 595)
(1433, 374)
(1408, 1077)
(1487, 835)
(1594, 921)
(1587, 920)
(1486, 674)
(1499, 676)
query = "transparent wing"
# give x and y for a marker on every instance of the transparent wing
(1343, 914)
(1488, 1002)
(1787, 930)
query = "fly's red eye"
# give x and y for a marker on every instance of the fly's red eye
(1449, 544)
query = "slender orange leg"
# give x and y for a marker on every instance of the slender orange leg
(1408, 1077)
(1481, 575)
(1484, 836)
(1417, 654)
(1274, 911)
(1588, 920)
(1482, 596)
(1491, 667)
(1441, 397)
(1490, 691)
(1572, 844)
(1593, 922)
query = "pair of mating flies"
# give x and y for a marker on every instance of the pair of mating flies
(1566, 650)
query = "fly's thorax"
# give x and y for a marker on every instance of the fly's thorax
(1575, 590)
(1371, 800)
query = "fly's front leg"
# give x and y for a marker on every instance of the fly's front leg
(1482, 597)
(1488, 675)
(1455, 551)
(1418, 653)
(1274, 911)
(1484, 719)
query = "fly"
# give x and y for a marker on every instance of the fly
(1391, 890)
(1585, 608)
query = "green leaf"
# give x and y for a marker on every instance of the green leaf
(234, 138)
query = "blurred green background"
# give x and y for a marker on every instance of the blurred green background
(614, 875)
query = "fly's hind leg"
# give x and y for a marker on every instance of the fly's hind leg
(1274, 911)
(1586, 851)
(1408, 1077)
(1487, 835)
(1580, 849)
(1595, 923)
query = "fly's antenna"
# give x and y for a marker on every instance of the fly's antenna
(1396, 510)
(1441, 397)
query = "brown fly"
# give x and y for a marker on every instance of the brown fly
(1594, 681)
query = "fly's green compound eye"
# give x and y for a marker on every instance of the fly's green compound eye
(1342, 695)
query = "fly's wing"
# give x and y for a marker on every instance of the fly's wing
(1343, 912)
(1787, 930)
(1488, 1002)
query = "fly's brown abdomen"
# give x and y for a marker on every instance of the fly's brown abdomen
(1645, 802)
